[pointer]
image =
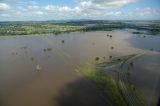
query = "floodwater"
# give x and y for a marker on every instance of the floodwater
(57, 83)
(145, 74)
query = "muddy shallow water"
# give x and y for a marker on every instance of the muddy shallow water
(57, 83)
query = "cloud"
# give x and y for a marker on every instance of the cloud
(92, 8)
(64, 9)
(144, 12)
(39, 13)
(50, 7)
(33, 2)
(58, 8)
(20, 8)
(33, 7)
(103, 4)
(4, 6)
(77, 9)
(147, 12)
(4, 15)
(95, 9)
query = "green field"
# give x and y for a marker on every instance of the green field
(37, 28)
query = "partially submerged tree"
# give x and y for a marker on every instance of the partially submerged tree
(97, 58)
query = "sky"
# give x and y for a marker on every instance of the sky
(39, 10)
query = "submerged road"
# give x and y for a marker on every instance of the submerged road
(122, 76)
(124, 80)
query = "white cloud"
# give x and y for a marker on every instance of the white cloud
(33, 2)
(118, 13)
(4, 15)
(77, 9)
(58, 8)
(33, 7)
(145, 12)
(50, 7)
(4, 6)
(39, 13)
(65, 9)
(103, 4)
(95, 9)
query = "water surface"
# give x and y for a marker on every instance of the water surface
(58, 84)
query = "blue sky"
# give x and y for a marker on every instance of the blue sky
(21, 10)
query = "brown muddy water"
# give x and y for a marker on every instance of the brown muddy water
(57, 83)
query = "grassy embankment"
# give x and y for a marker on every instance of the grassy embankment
(106, 85)
(111, 89)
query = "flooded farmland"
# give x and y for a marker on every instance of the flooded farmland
(40, 70)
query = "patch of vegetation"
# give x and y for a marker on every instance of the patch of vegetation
(115, 60)
(106, 85)
(138, 32)
(47, 49)
(122, 92)
(97, 58)
(110, 62)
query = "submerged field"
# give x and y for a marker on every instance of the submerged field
(59, 79)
